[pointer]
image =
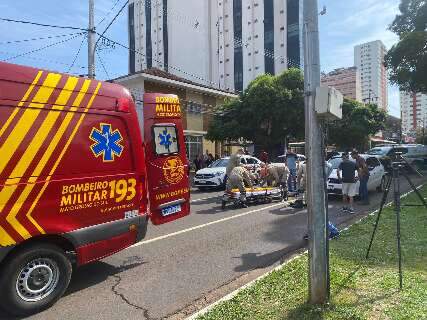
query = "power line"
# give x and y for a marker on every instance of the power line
(77, 54)
(109, 12)
(112, 21)
(102, 64)
(44, 60)
(42, 24)
(170, 66)
(40, 38)
(42, 48)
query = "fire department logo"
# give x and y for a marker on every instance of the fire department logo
(173, 170)
(106, 142)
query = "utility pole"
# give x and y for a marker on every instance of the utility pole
(316, 197)
(91, 41)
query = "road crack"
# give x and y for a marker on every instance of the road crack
(131, 261)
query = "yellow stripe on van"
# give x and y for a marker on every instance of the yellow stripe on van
(30, 153)
(5, 239)
(21, 103)
(27, 120)
(55, 141)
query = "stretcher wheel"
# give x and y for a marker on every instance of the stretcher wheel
(223, 203)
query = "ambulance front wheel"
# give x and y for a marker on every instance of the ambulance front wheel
(33, 279)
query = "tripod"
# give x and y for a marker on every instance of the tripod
(395, 178)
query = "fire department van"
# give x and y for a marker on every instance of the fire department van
(82, 170)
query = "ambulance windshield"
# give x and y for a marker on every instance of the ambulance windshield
(165, 139)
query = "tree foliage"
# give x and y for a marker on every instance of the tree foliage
(268, 111)
(407, 60)
(358, 123)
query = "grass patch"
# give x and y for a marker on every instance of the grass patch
(360, 288)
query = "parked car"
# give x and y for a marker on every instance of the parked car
(376, 181)
(214, 176)
(412, 153)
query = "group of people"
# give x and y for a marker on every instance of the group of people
(273, 175)
(346, 173)
(204, 160)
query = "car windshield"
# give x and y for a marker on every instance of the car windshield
(379, 151)
(219, 163)
(335, 162)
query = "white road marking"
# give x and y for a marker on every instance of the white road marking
(204, 225)
(197, 200)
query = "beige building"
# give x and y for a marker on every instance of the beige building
(345, 80)
(197, 103)
(369, 59)
(413, 108)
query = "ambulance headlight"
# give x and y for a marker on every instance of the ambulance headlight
(218, 174)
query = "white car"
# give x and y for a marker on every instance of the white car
(214, 176)
(377, 178)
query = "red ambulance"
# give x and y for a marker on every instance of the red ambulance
(82, 170)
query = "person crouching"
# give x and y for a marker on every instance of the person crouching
(238, 177)
(276, 175)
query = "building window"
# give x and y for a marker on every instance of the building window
(148, 43)
(238, 52)
(165, 35)
(131, 27)
(194, 146)
(269, 36)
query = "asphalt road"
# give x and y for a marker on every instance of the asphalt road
(185, 265)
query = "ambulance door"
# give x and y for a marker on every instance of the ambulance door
(166, 160)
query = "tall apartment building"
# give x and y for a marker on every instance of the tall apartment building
(413, 108)
(345, 80)
(220, 43)
(369, 59)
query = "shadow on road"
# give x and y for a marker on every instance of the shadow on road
(90, 275)
(252, 261)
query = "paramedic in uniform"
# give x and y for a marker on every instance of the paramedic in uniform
(239, 176)
(275, 175)
(234, 161)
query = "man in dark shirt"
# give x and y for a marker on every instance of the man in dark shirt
(363, 172)
(348, 177)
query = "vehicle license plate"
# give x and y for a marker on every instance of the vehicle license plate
(171, 210)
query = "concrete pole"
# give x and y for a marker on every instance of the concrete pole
(91, 41)
(316, 200)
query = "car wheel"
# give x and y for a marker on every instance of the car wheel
(34, 278)
(381, 187)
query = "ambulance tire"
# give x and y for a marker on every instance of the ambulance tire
(45, 260)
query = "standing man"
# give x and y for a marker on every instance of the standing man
(348, 177)
(291, 162)
(234, 161)
(363, 172)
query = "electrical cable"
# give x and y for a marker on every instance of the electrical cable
(42, 48)
(44, 60)
(42, 24)
(102, 64)
(109, 12)
(77, 54)
(40, 38)
(112, 21)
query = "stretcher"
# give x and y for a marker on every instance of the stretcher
(257, 195)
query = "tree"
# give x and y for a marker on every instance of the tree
(407, 60)
(268, 111)
(358, 123)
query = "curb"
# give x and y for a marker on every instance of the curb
(235, 292)
(249, 284)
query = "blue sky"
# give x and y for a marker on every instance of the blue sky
(347, 23)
